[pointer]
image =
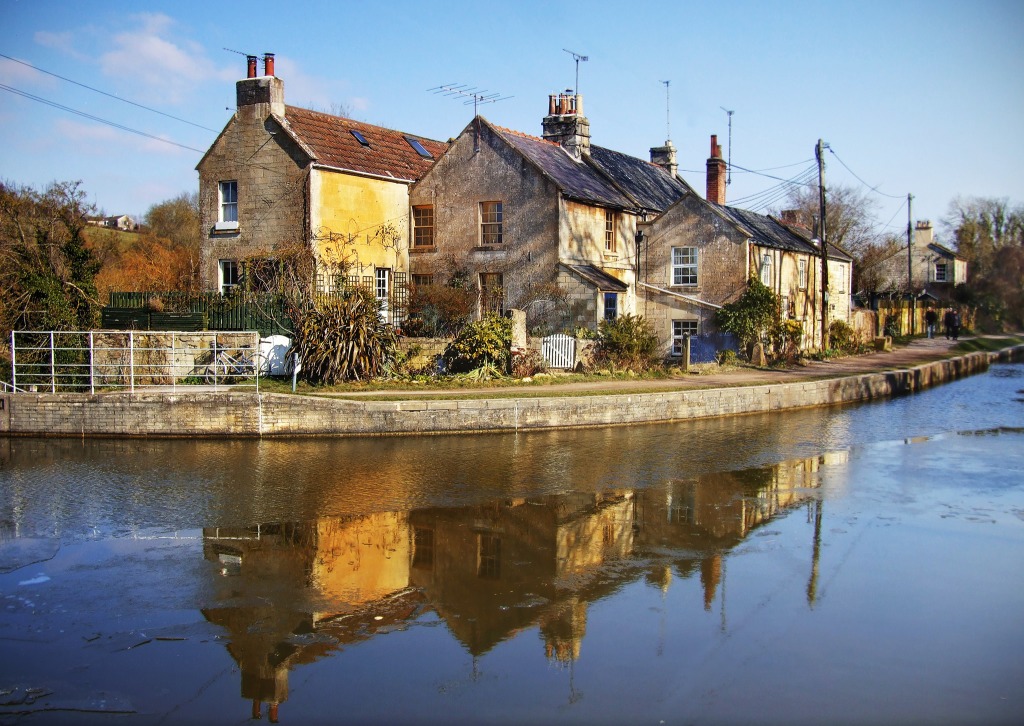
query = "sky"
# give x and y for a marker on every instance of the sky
(912, 98)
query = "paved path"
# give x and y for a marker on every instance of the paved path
(919, 351)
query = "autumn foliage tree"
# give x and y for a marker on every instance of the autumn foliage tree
(989, 234)
(47, 272)
(163, 257)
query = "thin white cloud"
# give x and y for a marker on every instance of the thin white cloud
(23, 77)
(154, 63)
(106, 141)
(64, 42)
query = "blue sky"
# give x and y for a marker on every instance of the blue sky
(924, 98)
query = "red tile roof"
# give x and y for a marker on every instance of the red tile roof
(389, 154)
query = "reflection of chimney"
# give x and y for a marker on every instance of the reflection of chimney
(260, 96)
(716, 173)
(565, 123)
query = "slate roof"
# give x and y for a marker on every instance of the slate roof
(599, 278)
(649, 184)
(389, 154)
(606, 178)
(769, 232)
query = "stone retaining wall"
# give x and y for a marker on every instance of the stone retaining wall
(267, 414)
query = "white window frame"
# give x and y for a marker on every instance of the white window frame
(605, 298)
(685, 261)
(228, 277)
(680, 329)
(766, 270)
(842, 279)
(801, 281)
(227, 205)
(382, 290)
(610, 227)
(944, 277)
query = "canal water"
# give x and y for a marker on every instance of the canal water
(862, 564)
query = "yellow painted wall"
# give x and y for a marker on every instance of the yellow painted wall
(360, 220)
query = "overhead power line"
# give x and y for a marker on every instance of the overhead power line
(109, 95)
(870, 188)
(130, 130)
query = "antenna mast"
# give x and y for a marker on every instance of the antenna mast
(470, 95)
(668, 122)
(728, 178)
(577, 57)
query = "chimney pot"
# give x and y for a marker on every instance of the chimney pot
(268, 64)
(251, 66)
(716, 175)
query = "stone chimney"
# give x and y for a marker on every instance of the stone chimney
(260, 95)
(665, 157)
(716, 173)
(565, 123)
(924, 235)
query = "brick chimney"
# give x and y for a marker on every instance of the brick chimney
(260, 95)
(716, 173)
(791, 218)
(565, 123)
(665, 157)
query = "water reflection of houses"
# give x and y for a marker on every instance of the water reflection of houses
(289, 594)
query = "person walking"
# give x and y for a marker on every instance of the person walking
(930, 318)
(947, 322)
(955, 325)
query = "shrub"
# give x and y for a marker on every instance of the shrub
(628, 342)
(842, 338)
(438, 311)
(486, 343)
(343, 338)
(754, 318)
(527, 362)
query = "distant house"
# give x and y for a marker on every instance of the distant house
(699, 254)
(118, 221)
(280, 178)
(932, 269)
(537, 222)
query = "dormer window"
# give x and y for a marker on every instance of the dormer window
(419, 148)
(359, 137)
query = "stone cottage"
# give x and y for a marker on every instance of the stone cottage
(539, 223)
(281, 178)
(699, 254)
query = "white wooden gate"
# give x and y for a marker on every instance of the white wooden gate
(559, 351)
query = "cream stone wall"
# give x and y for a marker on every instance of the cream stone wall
(362, 222)
(261, 414)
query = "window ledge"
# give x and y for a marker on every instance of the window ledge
(489, 248)
(225, 227)
(422, 249)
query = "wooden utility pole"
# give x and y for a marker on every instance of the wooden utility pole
(910, 262)
(819, 155)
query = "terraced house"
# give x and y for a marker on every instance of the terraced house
(545, 224)
(699, 254)
(280, 177)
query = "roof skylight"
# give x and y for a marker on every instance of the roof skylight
(359, 137)
(419, 148)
